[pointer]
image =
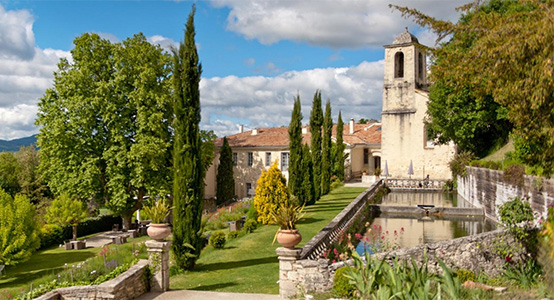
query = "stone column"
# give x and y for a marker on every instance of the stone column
(158, 259)
(288, 275)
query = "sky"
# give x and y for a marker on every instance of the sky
(256, 55)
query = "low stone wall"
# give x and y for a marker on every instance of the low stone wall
(487, 189)
(471, 252)
(129, 285)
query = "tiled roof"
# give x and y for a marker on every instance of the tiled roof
(279, 137)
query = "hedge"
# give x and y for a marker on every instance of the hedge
(55, 235)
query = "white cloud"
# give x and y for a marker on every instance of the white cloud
(166, 43)
(17, 40)
(333, 23)
(260, 101)
(18, 121)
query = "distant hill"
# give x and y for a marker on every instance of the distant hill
(14, 145)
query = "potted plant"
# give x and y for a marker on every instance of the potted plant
(287, 216)
(377, 172)
(158, 230)
(364, 171)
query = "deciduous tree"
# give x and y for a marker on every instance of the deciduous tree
(105, 124)
(65, 211)
(8, 173)
(188, 172)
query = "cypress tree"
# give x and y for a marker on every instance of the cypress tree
(308, 192)
(340, 149)
(295, 148)
(316, 120)
(225, 178)
(326, 150)
(188, 185)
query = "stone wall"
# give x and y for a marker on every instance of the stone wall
(471, 252)
(129, 285)
(486, 188)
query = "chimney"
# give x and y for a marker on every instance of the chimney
(255, 131)
(351, 125)
(304, 130)
(241, 128)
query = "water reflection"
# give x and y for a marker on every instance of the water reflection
(388, 232)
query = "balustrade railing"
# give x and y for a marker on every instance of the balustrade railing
(404, 183)
(329, 235)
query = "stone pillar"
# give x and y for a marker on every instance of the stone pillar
(158, 259)
(288, 275)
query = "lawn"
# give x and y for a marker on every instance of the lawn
(44, 265)
(249, 263)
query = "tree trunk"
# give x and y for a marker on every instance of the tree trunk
(126, 222)
(74, 232)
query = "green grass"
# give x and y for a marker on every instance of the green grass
(500, 154)
(44, 265)
(249, 263)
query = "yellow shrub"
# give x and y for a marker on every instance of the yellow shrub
(271, 192)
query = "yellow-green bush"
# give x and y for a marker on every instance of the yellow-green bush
(271, 193)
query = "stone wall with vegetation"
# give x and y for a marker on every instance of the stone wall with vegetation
(129, 285)
(489, 189)
(474, 253)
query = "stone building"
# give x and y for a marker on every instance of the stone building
(404, 143)
(257, 149)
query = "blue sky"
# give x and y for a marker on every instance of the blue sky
(256, 54)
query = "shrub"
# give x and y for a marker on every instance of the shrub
(233, 234)
(514, 175)
(459, 162)
(335, 184)
(341, 285)
(50, 234)
(217, 240)
(465, 275)
(252, 213)
(271, 193)
(250, 225)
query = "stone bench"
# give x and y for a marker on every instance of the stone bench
(118, 239)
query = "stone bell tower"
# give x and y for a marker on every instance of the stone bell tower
(405, 95)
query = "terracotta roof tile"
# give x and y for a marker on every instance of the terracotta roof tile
(279, 137)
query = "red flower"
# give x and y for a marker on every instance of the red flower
(508, 258)
(358, 236)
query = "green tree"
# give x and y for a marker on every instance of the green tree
(295, 148)
(105, 131)
(271, 193)
(339, 155)
(316, 120)
(65, 211)
(504, 49)
(28, 175)
(225, 177)
(326, 163)
(8, 173)
(307, 196)
(19, 234)
(207, 141)
(188, 185)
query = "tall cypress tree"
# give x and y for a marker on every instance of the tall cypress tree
(340, 149)
(308, 192)
(225, 177)
(316, 120)
(295, 148)
(326, 163)
(188, 185)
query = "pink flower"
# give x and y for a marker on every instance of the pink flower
(358, 236)
(334, 261)
(380, 228)
(402, 229)
(387, 232)
(336, 251)
(395, 233)
(383, 237)
(374, 226)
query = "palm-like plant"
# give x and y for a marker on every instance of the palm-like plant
(287, 216)
(157, 212)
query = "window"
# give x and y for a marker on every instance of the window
(366, 156)
(399, 65)
(250, 159)
(235, 159)
(284, 161)
(249, 190)
(377, 162)
(268, 159)
(420, 66)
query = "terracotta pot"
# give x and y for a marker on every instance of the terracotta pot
(158, 232)
(289, 238)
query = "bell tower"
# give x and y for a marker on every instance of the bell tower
(405, 71)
